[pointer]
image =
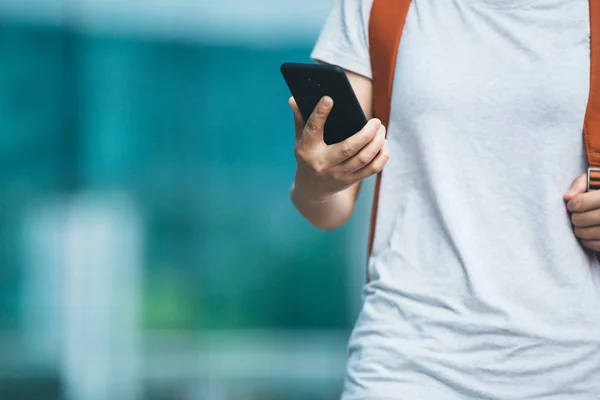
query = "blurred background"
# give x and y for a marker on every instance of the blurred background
(148, 247)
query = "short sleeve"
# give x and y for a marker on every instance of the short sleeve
(344, 37)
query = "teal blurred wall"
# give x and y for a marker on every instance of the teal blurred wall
(200, 135)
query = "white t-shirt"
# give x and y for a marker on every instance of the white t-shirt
(479, 288)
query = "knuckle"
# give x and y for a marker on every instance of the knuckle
(340, 177)
(310, 125)
(310, 160)
(374, 169)
(337, 176)
(376, 166)
(380, 163)
(320, 111)
(301, 153)
(347, 150)
(364, 158)
(318, 168)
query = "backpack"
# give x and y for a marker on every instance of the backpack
(385, 30)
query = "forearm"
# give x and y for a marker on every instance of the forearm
(328, 213)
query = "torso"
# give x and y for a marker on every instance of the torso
(479, 288)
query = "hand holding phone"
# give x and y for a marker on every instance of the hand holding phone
(324, 170)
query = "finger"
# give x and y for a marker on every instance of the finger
(298, 120)
(584, 202)
(578, 186)
(316, 122)
(591, 244)
(375, 166)
(366, 154)
(585, 219)
(589, 233)
(341, 152)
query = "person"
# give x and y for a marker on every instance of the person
(484, 282)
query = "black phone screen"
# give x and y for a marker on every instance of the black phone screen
(310, 82)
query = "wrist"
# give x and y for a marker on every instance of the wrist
(301, 192)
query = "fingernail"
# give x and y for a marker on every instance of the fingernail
(326, 101)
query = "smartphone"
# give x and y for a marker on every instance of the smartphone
(310, 82)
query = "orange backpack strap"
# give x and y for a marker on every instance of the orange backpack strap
(385, 30)
(591, 127)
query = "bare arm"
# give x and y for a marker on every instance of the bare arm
(328, 178)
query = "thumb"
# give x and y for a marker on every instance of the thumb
(578, 186)
(316, 121)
